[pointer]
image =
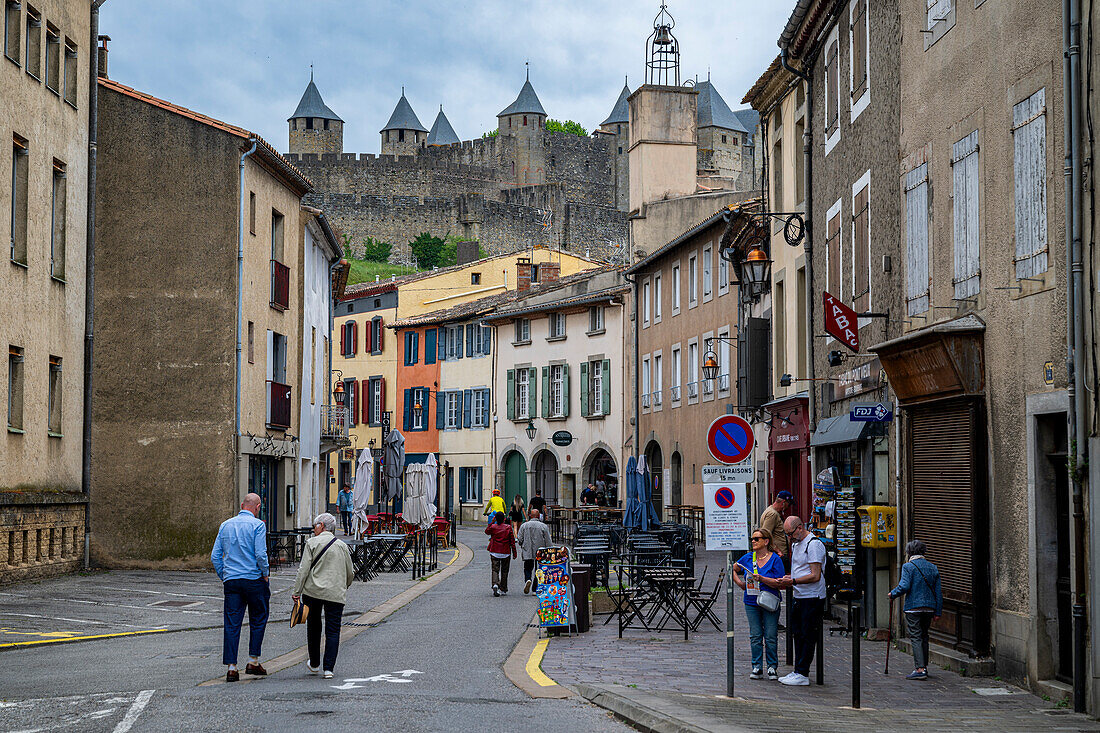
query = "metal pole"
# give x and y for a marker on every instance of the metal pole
(853, 625)
(789, 634)
(729, 624)
(821, 647)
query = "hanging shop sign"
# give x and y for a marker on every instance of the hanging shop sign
(841, 322)
(562, 438)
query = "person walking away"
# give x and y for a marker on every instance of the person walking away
(344, 505)
(920, 584)
(322, 582)
(808, 581)
(533, 536)
(539, 503)
(502, 548)
(240, 560)
(493, 505)
(764, 573)
(517, 513)
(771, 520)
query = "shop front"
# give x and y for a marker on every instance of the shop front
(789, 453)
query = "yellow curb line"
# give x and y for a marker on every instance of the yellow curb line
(376, 615)
(61, 640)
(533, 664)
(522, 667)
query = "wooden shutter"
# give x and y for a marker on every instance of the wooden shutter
(467, 407)
(964, 162)
(381, 396)
(861, 265)
(406, 420)
(368, 399)
(511, 394)
(585, 387)
(606, 366)
(441, 344)
(916, 240)
(344, 339)
(368, 337)
(469, 339)
(832, 251)
(832, 97)
(546, 391)
(1030, 141)
(429, 346)
(487, 340)
(440, 411)
(532, 390)
(860, 51)
(565, 390)
(416, 347)
(354, 337)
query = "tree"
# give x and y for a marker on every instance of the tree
(375, 250)
(491, 133)
(450, 250)
(427, 251)
(569, 126)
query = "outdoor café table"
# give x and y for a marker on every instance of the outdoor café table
(361, 558)
(597, 555)
(391, 553)
(670, 587)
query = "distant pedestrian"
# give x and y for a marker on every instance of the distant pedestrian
(588, 496)
(808, 579)
(322, 583)
(772, 521)
(517, 513)
(344, 503)
(763, 571)
(533, 536)
(493, 505)
(502, 549)
(537, 502)
(240, 560)
(920, 584)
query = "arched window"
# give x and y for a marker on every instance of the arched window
(525, 120)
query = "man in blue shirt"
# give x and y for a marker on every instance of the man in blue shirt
(240, 559)
(344, 504)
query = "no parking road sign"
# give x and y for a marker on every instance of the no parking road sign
(730, 439)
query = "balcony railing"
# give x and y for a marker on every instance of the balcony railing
(645, 400)
(334, 424)
(708, 386)
(693, 390)
(675, 393)
(723, 382)
(657, 398)
(280, 285)
(278, 405)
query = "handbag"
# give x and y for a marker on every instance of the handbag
(768, 601)
(299, 611)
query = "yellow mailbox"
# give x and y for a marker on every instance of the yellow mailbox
(878, 526)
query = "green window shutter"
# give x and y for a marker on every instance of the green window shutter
(584, 389)
(606, 386)
(532, 390)
(511, 394)
(546, 391)
(565, 390)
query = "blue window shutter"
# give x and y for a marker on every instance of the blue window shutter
(429, 346)
(478, 469)
(440, 410)
(406, 421)
(546, 391)
(462, 485)
(485, 414)
(442, 344)
(585, 386)
(565, 390)
(416, 347)
(486, 340)
(469, 339)
(467, 406)
(456, 337)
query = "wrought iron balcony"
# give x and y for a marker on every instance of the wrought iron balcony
(280, 285)
(693, 390)
(278, 405)
(334, 425)
(675, 391)
(723, 382)
(645, 400)
(657, 398)
(708, 386)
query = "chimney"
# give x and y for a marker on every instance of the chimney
(549, 272)
(102, 60)
(467, 252)
(523, 273)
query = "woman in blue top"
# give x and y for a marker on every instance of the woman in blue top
(763, 570)
(920, 584)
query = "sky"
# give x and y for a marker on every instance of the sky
(247, 62)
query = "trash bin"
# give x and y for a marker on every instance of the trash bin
(582, 584)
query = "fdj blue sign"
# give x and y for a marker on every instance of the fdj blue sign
(877, 412)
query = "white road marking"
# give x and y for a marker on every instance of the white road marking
(350, 682)
(135, 710)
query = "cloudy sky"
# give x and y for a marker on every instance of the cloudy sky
(247, 61)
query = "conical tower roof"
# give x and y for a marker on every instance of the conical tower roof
(527, 103)
(442, 133)
(713, 110)
(620, 113)
(403, 117)
(311, 105)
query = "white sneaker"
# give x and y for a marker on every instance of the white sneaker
(796, 679)
(527, 587)
(496, 589)
(312, 669)
(328, 675)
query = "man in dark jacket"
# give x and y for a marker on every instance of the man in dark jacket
(502, 549)
(920, 584)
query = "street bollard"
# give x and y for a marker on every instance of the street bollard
(853, 625)
(821, 651)
(789, 635)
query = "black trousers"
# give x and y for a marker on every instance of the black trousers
(806, 627)
(333, 613)
(345, 517)
(529, 574)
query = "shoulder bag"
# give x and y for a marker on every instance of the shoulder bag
(768, 601)
(299, 612)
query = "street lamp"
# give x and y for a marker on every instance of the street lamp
(710, 365)
(755, 271)
(338, 394)
(418, 409)
(530, 429)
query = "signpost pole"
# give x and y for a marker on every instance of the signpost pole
(729, 623)
(853, 621)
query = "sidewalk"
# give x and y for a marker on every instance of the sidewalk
(690, 678)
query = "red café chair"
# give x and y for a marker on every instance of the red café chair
(372, 524)
(442, 531)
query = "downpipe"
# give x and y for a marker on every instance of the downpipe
(240, 314)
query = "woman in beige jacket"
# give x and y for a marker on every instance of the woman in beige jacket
(322, 582)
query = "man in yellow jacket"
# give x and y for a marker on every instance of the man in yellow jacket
(493, 505)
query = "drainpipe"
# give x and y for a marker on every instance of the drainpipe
(1075, 336)
(240, 309)
(89, 283)
(637, 358)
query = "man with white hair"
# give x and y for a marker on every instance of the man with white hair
(240, 559)
(322, 583)
(533, 536)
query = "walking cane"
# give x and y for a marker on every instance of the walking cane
(889, 635)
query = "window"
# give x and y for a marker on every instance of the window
(675, 289)
(724, 359)
(776, 165)
(469, 481)
(376, 335)
(454, 337)
(860, 64)
(481, 408)
(523, 331)
(349, 338)
(15, 388)
(940, 19)
(645, 304)
(483, 339)
(453, 410)
(377, 399)
(419, 417)
(799, 162)
(693, 370)
(723, 139)
(916, 240)
(34, 43)
(557, 325)
(351, 400)
(707, 272)
(54, 404)
(313, 366)
(596, 394)
(252, 212)
(523, 394)
(412, 348)
(57, 221)
(658, 380)
(779, 324)
(70, 72)
(657, 298)
(674, 377)
(833, 281)
(475, 278)
(11, 30)
(964, 167)
(645, 381)
(276, 236)
(1029, 131)
(832, 92)
(723, 274)
(692, 293)
(18, 219)
(400, 136)
(861, 243)
(558, 390)
(251, 342)
(595, 319)
(53, 58)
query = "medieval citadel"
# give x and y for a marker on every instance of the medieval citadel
(521, 187)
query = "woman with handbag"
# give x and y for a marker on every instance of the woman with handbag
(321, 585)
(763, 571)
(920, 584)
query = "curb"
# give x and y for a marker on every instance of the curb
(374, 616)
(516, 669)
(647, 713)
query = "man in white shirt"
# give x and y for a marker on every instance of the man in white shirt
(807, 579)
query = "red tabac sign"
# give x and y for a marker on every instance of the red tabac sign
(841, 322)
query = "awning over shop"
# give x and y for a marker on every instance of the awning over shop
(943, 360)
(841, 429)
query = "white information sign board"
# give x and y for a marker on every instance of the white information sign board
(739, 473)
(727, 515)
(666, 486)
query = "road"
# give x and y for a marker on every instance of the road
(432, 665)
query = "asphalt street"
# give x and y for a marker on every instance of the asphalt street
(434, 664)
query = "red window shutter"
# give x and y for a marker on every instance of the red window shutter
(354, 337)
(344, 340)
(368, 336)
(382, 395)
(366, 401)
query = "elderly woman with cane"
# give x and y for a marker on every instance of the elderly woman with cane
(920, 584)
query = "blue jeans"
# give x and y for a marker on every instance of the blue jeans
(240, 594)
(763, 627)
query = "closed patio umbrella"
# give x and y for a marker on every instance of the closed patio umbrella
(414, 504)
(433, 484)
(645, 493)
(360, 492)
(633, 512)
(393, 465)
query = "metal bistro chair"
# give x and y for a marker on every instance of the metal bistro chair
(704, 603)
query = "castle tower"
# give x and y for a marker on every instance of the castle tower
(617, 126)
(442, 133)
(725, 137)
(314, 128)
(523, 121)
(403, 134)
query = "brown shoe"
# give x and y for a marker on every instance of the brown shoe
(232, 676)
(255, 669)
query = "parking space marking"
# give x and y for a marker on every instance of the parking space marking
(132, 714)
(79, 638)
